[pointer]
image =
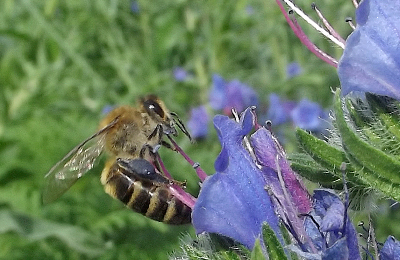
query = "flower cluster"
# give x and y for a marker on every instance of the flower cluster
(254, 183)
(225, 96)
(305, 114)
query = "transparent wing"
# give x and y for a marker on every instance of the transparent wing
(74, 165)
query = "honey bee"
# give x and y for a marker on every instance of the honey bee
(131, 137)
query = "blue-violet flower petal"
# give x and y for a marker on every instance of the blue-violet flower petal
(371, 59)
(390, 250)
(233, 201)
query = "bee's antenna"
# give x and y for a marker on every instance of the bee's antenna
(180, 125)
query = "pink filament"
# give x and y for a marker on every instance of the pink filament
(305, 40)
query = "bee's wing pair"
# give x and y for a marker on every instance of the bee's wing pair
(74, 165)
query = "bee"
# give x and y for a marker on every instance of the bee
(139, 186)
(131, 137)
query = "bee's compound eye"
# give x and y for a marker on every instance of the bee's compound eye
(151, 105)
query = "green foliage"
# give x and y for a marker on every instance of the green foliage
(272, 244)
(257, 253)
(369, 146)
(62, 62)
(40, 232)
(208, 246)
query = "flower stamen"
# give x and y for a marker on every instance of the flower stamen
(314, 24)
(304, 39)
(327, 24)
(349, 20)
(199, 171)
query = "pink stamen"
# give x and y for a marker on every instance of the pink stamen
(312, 47)
(175, 189)
(163, 168)
(296, 28)
(327, 24)
(182, 195)
(199, 171)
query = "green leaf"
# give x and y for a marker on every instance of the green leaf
(39, 229)
(385, 186)
(388, 113)
(375, 160)
(257, 253)
(328, 157)
(308, 168)
(272, 244)
(380, 125)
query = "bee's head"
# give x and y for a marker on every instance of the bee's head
(156, 109)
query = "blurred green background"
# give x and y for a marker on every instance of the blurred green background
(63, 62)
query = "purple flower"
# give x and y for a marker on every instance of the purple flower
(271, 156)
(371, 59)
(250, 188)
(293, 69)
(135, 7)
(180, 74)
(250, 10)
(198, 122)
(309, 116)
(334, 235)
(278, 110)
(390, 250)
(234, 94)
(233, 201)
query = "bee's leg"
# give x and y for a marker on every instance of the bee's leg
(168, 145)
(182, 184)
(148, 152)
(180, 125)
(158, 131)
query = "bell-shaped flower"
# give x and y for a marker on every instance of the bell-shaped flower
(233, 202)
(330, 229)
(254, 184)
(371, 59)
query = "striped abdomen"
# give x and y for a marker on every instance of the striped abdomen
(143, 196)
